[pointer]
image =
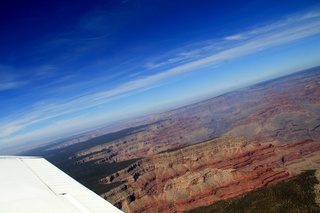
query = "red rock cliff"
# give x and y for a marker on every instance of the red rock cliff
(207, 172)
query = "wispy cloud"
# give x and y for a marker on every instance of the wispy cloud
(307, 15)
(12, 85)
(14, 78)
(235, 37)
(290, 21)
(291, 28)
(212, 53)
(44, 71)
(10, 80)
(181, 58)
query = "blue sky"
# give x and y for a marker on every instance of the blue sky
(69, 66)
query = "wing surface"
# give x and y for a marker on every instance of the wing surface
(32, 184)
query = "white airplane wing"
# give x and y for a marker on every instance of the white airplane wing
(32, 184)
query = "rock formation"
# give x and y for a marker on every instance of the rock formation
(149, 141)
(204, 173)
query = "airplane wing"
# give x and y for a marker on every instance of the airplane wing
(32, 184)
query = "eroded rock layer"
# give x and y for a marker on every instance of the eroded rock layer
(204, 173)
(148, 141)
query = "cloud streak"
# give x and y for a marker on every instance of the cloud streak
(12, 85)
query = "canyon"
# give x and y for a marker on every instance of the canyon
(207, 172)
